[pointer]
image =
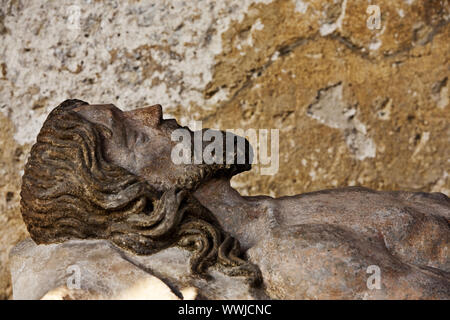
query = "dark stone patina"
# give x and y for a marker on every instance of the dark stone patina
(96, 172)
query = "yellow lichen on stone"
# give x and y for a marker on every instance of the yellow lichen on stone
(393, 133)
(12, 228)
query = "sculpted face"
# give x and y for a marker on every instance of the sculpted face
(140, 142)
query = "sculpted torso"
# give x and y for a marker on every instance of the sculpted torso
(318, 245)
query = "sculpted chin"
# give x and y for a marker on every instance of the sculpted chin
(96, 172)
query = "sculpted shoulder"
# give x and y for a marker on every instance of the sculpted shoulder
(322, 244)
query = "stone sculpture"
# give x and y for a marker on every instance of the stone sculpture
(97, 172)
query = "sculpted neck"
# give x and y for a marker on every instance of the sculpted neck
(237, 215)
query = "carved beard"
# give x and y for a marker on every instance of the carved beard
(200, 173)
(196, 174)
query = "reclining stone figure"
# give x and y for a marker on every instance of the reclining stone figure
(97, 172)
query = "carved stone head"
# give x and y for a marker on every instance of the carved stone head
(96, 172)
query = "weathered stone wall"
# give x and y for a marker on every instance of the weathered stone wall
(354, 106)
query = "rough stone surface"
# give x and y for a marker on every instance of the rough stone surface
(347, 114)
(323, 244)
(354, 106)
(318, 245)
(12, 228)
(99, 268)
(107, 272)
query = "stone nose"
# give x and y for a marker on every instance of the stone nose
(149, 116)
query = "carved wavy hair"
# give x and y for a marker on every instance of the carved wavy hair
(69, 191)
